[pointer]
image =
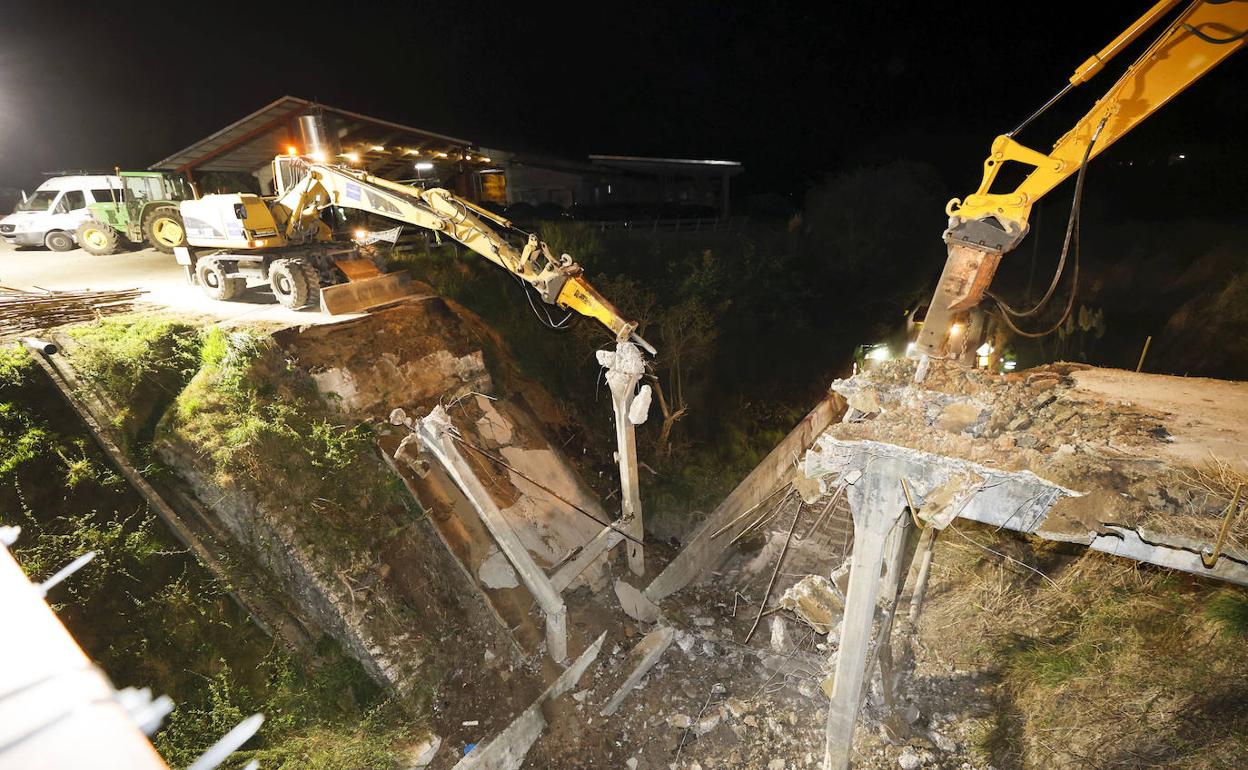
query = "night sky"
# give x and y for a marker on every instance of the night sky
(794, 94)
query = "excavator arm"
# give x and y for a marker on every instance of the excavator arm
(558, 281)
(986, 224)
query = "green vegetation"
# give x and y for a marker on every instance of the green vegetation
(14, 361)
(1112, 665)
(123, 353)
(261, 424)
(145, 609)
(1229, 611)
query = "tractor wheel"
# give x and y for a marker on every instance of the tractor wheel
(59, 240)
(216, 282)
(163, 229)
(97, 238)
(291, 282)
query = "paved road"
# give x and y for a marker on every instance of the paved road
(156, 273)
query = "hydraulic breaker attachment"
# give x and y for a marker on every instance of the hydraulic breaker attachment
(576, 294)
(966, 276)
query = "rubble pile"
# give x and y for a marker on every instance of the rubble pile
(1044, 421)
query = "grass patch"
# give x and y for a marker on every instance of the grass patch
(119, 354)
(15, 360)
(260, 424)
(1111, 664)
(1228, 610)
(149, 614)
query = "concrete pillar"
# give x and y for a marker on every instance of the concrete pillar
(435, 436)
(877, 503)
(624, 369)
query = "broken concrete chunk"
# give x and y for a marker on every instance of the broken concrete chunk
(422, 753)
(865, 401)
(639, 410)
(779, 634)
(909, 759)
(816, 601)
(635, 604)
(809, 489)
(959, 416)
(707, 723)
(496, 572)
(942, 504)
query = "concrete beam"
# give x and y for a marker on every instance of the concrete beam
(877, 503)
(1019, 501)
(703, 552)
(508, 749)
(624, 369)
(602, 542)
(646, 654)
(436, 437)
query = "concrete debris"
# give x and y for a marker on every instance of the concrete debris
(809, 489)
(508, 749)
(644, 656)
(496, 572)
(639, 410)
(816, 601)
(780, 641)
(909, 759)
(943, 742)
(961, 416)
(707, 723)
(422, 754)
(864, 401)
(635, 604)
(942, 505)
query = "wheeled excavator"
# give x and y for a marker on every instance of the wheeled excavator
(283, 240)
(988, 224)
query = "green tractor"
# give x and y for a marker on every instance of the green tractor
(144, 209)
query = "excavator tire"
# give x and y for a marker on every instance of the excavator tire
(313, 277)
(292, 281)
(216, 282)
(163, 228)
(97, 238)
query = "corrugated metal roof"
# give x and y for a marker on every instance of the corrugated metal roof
(251, 142)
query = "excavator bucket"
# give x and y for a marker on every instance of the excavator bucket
(366, 288)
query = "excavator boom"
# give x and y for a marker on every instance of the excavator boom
(558, 281)
(986, 224)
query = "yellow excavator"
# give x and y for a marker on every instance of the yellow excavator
(988, 224)
(283, 241)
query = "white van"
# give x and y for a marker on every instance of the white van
(49, 216)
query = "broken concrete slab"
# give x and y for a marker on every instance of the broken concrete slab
(635, 604)
(816, 601)
(643, 656)
(437, 436)
(507, 750)
(496, 572)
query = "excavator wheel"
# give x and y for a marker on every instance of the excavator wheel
(163, 228)
(97, 238)
(216, 282)
(292, 281)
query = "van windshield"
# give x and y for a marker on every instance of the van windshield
(40, 201)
